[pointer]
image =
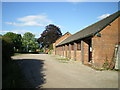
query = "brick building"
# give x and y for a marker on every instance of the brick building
(94, 45)
(59, 40)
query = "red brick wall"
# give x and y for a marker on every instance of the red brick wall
(103, 47)
(78, 52)
(70, 51)
(54, 48)
(72, 54)
(64, 51)
(63, 37)
(67, 51)
(85, 52)
(75, 50)
(60, 50)
(56, 51)
(59, 40)
(78, 55)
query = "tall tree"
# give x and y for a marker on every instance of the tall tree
(15, 38)
(29, 42)
(49, 35)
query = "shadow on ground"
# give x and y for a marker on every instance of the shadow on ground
(32, 70)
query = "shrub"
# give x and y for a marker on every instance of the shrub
(7, 49)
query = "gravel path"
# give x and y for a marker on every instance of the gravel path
(46, 71)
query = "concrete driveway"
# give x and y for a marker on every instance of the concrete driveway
(46, 71)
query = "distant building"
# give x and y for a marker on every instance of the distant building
(59, 40)
(94, 45)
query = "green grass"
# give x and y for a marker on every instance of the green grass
(21, 53)
(63, 60)
(25, 53)
(103, 69)
(17, 54)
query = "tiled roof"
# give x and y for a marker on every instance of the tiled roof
(92, 29)
(63, 35)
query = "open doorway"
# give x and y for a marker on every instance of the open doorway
(86, 51)
(90, 50)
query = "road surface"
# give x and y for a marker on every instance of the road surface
(46, 71)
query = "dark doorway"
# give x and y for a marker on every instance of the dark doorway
(90, 50)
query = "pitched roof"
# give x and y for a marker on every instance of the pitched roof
(63, 35)
(92, 29)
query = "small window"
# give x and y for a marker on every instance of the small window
(72, 46)
(67, 47)
(78, 46)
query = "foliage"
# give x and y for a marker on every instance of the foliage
(15, 38)
(11, 73)
(106, 64)
(7, 49)
(29, 42)
(49, 35)
(25, 43)
(50, 47)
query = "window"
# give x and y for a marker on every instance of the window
(67, 47)
(72, 46)
(78, 46)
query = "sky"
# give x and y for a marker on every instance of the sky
(21, 17)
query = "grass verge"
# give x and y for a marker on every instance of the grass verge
(63, 60)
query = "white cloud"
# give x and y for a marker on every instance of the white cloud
(4, 31)
(32, 23)
(103, 16)
(22, 32)
(15, 31)
(32, 20)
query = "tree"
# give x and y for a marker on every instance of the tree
(49, 35)
(7, 49)
(15, 38)
(29, 42)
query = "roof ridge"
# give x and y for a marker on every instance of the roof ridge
(96, 22)
(92, 29)
(63, 35)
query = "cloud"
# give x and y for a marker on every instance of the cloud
(103, 16)
(31, 20)
(4, 31)
(22, 32)
(32, 23)
(15, 31)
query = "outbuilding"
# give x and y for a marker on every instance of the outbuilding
(94, 45)
(59, 40)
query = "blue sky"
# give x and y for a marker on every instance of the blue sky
(21, 17)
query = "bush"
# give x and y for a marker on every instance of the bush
(7, 49)
(50, 47)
